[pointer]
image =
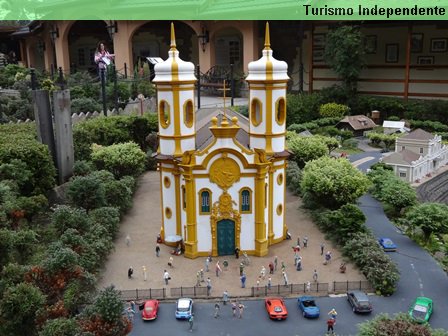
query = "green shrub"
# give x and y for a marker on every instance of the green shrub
(342, 223)
(293, 177)
(16, 146)
(302, 107)
(86, 192)
(130, 182)
(108, 217)
(83, 168)
(118, 195)
(66, 217)
(123, 94)
(305, 149)
(333, 110)
(85, 105)
(120, 159)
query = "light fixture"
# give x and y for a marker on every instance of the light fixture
(205, 38)
(54, 33)
(112, 28)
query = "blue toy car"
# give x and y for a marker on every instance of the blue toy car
(387, 244)
(184, 308)
(308, 306)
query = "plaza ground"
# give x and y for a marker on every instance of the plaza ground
(142, 223)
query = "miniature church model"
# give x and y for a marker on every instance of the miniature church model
(222, 175)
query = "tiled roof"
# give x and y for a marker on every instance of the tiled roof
(358, 122)
(418, 134)
(405, 155)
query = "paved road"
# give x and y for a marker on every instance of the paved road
(420, 276)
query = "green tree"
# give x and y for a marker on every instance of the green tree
(65, 217)
(399, 194)
(333, 182)
(105, 316)
(19, 309)
(6, 246)
(87, 192)
(305, 149)
(429, 217)
(399, 325)
(344, 53)
(60, 327)
(120, 159)
(345, 221)
(118, 195)
(330, 142)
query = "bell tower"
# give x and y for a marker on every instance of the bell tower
(267, 101)
(175, 81)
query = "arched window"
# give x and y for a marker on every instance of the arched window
(205, 199)
(280, 111)
(184, 199)
(245, 200)
(164, 113)
(255, 112)
(188, 113)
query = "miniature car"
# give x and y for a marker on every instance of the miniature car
(150, 310)
(387, 244)
(184, 308)
(308, 306)
(359, 301)
(276, 308)
(421, 310)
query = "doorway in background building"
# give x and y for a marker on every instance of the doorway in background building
(226, 237)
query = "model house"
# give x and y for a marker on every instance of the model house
(358, 124)
(417, 154)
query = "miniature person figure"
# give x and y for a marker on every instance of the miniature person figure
(330, 325)
(218, 269)
(201, 274)
(283, 267)
(144, 273)
(263, 272)
(128, 240)
(217, 308)
(308, 286)
(190, 322)
(315, 275)
(285, 278)
(166, 277)
(258, 284)
(170, 262)
(243, 280)
(237, 252)
(225, 297)
(234, 309)
(241, 269)
(209, 286)
(130, 272)
(198, 279)
(275, 263)
(157, 250)
(327, 258)
(241, 309)
(305, 241)
(271, 268)
(269, 283)
(207, 263)
(102, 58)
(333, 314)
(298, 241)
(299, 264)
(322, 247)
(159, 239)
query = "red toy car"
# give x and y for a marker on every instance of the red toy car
(150, 310)
(276, 308)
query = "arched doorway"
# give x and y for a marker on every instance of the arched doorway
(228, 46)
(83, 39)
(153, 40)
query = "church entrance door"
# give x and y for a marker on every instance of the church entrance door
(226, 237)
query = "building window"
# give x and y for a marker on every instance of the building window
(421, 150)
(92, 56)
(168, 213)
(164, 114)
(280, 179)
(184, 199)
(245, 200)
(279, 209)
(402, 174)
(280, 111)
(265, 195)
(188, 113)
(166, 182)
(205, 196)
(255, 112)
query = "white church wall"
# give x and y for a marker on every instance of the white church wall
(261, 96)
(169, 200)
(184, 96)
(167, 96)
(279, 198)
(166, 146)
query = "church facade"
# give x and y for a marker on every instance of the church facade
(222, 175)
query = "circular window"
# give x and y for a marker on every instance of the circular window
(166, 182)
(280, 111)
(279, 209)
(188, 114)
(280, 179)
(168, 213)
(255, 112)
(164, 114)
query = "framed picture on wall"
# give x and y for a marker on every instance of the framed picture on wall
(439, 44)
(319, 41)
(417, 43)
(370, 44)
(425, 60)
(392, 53)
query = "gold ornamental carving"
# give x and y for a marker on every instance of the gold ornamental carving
(225, 172)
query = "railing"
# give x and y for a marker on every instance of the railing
(314, 288)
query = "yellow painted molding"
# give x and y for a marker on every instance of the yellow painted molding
(243, 149)
(184, 199)
(221, 151)
(177, 199)
(256, 106)
(176, 137)
(210, 201)
(189, 115)
(264, 135)
(225, 172)
(206, 149)
(162, 229)
(174, 82)
(251, 202)
(164, 114)
(176, 89)
(271, 205)
(280, 111)
(277, 240)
